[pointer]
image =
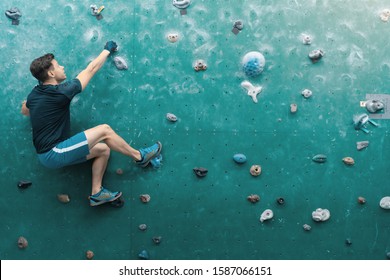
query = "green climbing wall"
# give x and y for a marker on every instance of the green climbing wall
(210, 217)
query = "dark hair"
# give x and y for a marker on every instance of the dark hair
(40, 66)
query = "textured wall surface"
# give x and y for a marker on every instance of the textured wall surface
(203, 218)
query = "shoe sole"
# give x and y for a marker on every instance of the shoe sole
(155, 155)
(106, 201)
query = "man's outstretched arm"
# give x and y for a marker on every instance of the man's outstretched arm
(86, 75)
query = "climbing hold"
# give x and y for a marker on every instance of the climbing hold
(293, 108)
(320, 158)
(306, 93)
(360, 121)
(200, 65)
(239, 158)
(388, 255)
(306, 227)
(181, 4)
(120, 63)
(142, 227)
(385, 15)
(14, 14)
(253, 198)
(348, 241)
(316, 55)
(22, 242)
(157, 239)
(119, 171)
(95, 11)
(171, 117)
(64, 198)
(255, 170)
(373, 106)
(348, 161)
(89, 255)
(253, 63)
(200, 171)
(306, 39)
(145, 198)
(361, 200)
(143, 255)
(280, 200)
(23, 184)
(173, 37)
(320, 215)
(252, 90)
(361, 145)
(156, 162)
(266, 215)
(117, 203)
(385, 202)
(237, 27)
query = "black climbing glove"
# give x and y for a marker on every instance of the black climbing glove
(111, 46)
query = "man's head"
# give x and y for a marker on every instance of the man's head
(46, 68)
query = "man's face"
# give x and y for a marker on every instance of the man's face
(57, 71)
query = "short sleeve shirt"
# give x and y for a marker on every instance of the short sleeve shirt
(49, 107)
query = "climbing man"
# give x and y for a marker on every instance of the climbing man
(48, 106)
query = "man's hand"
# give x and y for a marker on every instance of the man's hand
(111, 46)
(25, 111)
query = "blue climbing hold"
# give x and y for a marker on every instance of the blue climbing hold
(143, 255)
(156, 162)
(239, 158)
(253, 64)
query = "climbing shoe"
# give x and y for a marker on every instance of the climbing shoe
(149, 153)
(103, 196)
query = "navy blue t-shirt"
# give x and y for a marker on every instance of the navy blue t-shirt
(50, 114)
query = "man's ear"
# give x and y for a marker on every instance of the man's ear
(50, 73)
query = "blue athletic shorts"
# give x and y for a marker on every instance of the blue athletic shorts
(71, 151)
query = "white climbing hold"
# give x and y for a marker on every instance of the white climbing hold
(120, 63)
(252, 90)
(320, 215)
(266, 215)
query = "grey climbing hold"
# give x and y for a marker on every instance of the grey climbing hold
(361, 145)
(120, 63)
(316, 55)
(171, 117)
(320, 158)
(306, 227)
(181, 4)
(157, 239)
(14, 14)
(200, 171)
(360, 122)
(373, 106)
(23, 184)
(142, 227)
(237, 27)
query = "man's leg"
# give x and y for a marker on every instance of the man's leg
(104, 133)
(100, 154)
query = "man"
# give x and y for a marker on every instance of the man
(48, 107)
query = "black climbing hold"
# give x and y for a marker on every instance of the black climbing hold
(200, 171)
(388, 255)
(24, 184)
(117, 203)
(280, 200)
(348, 241)
(157, 239)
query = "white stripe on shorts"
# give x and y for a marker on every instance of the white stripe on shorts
(71, 148)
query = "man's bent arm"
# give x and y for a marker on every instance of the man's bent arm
(86, 75)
